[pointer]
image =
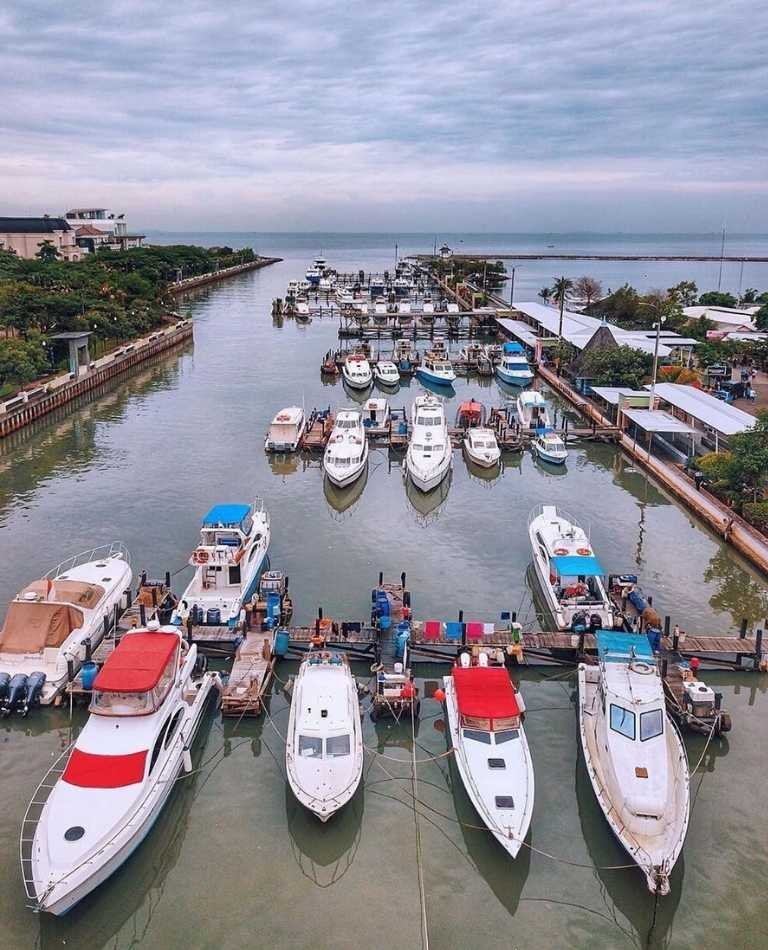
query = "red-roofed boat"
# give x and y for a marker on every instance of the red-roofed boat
(101, 798)
(485, 720)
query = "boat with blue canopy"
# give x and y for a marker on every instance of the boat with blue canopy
(514, 367)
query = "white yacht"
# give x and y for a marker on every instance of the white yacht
(429, 455)
(356, 371)
(386, 373)
(324, 744)
(634, 754)
(481, 447)
(286, 430)
(570, 576)
(436, 368)
(101, 798)
(485, 714)
(48, 623)
(532, 410)
(548, 446)
(514, 367)
(346, 453)
(229, 560)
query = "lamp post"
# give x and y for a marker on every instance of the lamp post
(657, 328)
(512, 288)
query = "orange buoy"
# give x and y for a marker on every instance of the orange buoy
(439, 695)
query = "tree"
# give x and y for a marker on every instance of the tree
(545, 293)
(748, 471)
(714, 298)
(749, 295)
(685, 293)
(761, 317)
(620, 366)
(561, 289)
(47, 252)
(588, 289)
(620, 307)
(699, 328)
(21, 361)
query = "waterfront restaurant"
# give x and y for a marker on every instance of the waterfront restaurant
(712, 420)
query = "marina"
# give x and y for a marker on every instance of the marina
(467, 595)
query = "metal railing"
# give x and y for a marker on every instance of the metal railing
(538, 510)
(100, 553)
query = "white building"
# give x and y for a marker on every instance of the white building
(100, 227)
(725, 319)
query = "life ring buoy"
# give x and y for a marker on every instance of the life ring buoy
(560, 551)
(584, 552)
(638, 666)
(200, 557)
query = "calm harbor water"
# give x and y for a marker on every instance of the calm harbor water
(234, 861)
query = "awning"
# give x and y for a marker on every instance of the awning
(572, 565)
(226, 515)
(622, 646)
(655, 420)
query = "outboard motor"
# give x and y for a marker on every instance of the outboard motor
(17, 691)
(5, 679)
(579, 622)
(35, 685)
(595, 622)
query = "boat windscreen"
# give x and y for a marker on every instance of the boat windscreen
(31, 627)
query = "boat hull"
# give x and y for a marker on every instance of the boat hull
(341, 478)
(660, 855)
(429, 377)
(426, 482)
(482, 460)
(356, 383)
(514, 378)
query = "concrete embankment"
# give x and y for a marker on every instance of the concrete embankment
(189, 283)
(713, 512)
(15, 415)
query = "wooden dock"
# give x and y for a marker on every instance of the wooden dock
(250, 677)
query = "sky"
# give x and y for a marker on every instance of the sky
(538, 115)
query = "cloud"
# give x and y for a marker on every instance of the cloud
(523, 115)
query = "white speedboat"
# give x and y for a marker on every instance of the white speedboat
(105, 793)
(481, 447)
(286, 430)
(50, 623)
(634, 754)
(429, 455)
(356, 371)
(548, 446)
(402, 286)
(346, 453)
(229, 560)
(514, 367)
(324, 744)
(532, 410)
(386, 373)
(570, 576)
(436, 368)
(485, 714)
(316, 272)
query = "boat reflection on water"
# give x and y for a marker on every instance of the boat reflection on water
(359, 396)
(444, 390)
(342, 499)
(428, 505)
(504, 875)
(283, 463)
(128, 899)
(324, 852)
(628, 903)
(483, 474)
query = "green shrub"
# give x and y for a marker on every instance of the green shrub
(756, 513)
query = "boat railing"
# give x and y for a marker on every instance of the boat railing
(538, 510)
(100, 553)
(32, 819)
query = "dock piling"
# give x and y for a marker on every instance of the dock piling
(743, 629)
(143, 615)
(758, 646)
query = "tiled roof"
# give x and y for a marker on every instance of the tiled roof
(32, 225)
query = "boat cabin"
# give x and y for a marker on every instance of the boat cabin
(470, 414)
(575, 578)
(286, 428)
(137, 675)
(323, 728)
(376, 413)
(223, 536)
(487, 703)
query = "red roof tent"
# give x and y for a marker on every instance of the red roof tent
(137, 663)
(485, 692)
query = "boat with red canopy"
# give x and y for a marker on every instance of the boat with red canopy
(485, 720)
(100, 799)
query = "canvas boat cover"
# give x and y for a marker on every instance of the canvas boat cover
(513, 348)
(79, 593)
(573, 565)
(90, 770)
(485, 692)
(137, 663)
(31, 626)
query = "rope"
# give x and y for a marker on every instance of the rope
(419, 858)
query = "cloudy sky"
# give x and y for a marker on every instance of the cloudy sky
(532, 115)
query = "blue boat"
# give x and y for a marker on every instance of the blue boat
(514, 367)
(437, 370)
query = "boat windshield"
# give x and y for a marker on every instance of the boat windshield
(428, 420)
(123, 704)
(515, 365)
(337, 746)
(310, 747)
(623, 721)
(346, 423)
(334, 747)
(651, 724)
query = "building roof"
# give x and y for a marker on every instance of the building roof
(88, 230)
(613, 394)
(44, 225)
(735, 315)
(518, 328)
(725, 419)
(655, 420)
(72, 335)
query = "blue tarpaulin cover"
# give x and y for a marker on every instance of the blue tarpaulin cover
(513, 348)
(226, 515)
(571, 565)
(620, 646)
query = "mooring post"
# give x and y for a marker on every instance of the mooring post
(154, 596)
(116, 615)
(718, 701)
(381, 578)
(758, 646)
(143, 578)
(743, 629)
(168, 580)
(664, 668)
(676, 638)
(666, 626)
(128, 597)
(143, 615)
(106, 624)
(319, 614)
(87, 645)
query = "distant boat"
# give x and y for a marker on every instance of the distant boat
(356, 371)
(491, 751)
(548, 446)
(286, 430)
(436, 369)
(346, 454)
(634, 754)
(514, 367)
(324, 745)
(532, 410)
(386, 373)
(570, 576)
(482, 448)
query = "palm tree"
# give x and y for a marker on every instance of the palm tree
(560, 290)
(544, 293)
